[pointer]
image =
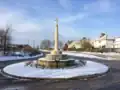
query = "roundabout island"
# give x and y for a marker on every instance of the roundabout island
(55, 66)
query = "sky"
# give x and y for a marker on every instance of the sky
(35, 19)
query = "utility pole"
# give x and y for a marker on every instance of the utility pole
(33, 43)
(28, 42)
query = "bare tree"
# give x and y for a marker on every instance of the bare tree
(102, 34)
(85, 43)
(60, 43)
(69, 41)
(45, 44)
(84, 38)
(5, 36)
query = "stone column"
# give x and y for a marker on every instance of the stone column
(56, 36)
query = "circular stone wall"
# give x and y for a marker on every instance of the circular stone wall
(26, 72)
(56, 64)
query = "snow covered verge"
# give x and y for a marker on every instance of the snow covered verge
(8, 58)
(94, 55)
(79, 54)
(20, 70)
(108, 54)
(82, 55)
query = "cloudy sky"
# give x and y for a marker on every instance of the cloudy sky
(34, 19)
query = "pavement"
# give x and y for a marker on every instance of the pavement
(110, 81)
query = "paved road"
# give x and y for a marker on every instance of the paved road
(109, 82)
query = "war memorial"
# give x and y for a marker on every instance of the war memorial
(55, 66)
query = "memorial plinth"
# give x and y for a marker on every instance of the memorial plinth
(56, 59)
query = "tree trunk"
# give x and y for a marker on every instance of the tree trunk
(4, 45)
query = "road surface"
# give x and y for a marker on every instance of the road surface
(111, 81)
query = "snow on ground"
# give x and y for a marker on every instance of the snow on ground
(7, 58)
(108, 53)
(82, 55)
(20, 69)
(79, 54)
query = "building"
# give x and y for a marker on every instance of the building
(117, 42)
(104, 42)
(75, 44)
(108, 43)
(78, 44)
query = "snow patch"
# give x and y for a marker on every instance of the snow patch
(82, 55)
(90, 68)
(8, 58)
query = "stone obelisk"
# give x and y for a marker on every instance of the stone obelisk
(56, 36)
(56, 39)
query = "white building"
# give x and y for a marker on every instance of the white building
(117, 42)
(75, 44)
(103, 41)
